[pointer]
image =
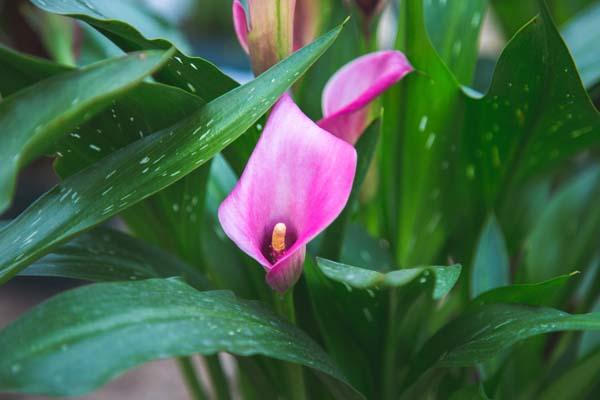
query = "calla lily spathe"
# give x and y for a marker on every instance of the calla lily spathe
(353, 87)
(269, 31)
(295, 184)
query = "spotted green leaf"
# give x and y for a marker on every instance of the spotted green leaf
(482, 333)
(475, 149)
(131, 30)
(92, 334)
(173, 217)
(34, 118)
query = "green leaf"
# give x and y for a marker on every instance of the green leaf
(60, 103)
(565, 236)
(173, 217)
(462, 155)
(416, 134)
(582, 34)
(79, 340)
(193, 74)
(576, 382)
(148, 23)
(18, 71)
(533, 294)
(444, 278)
(178, 210)
(530, 121)
(107, 255)
(339, 310)
(146, 166)
(490, 265)
(453, 27)
(482, 333)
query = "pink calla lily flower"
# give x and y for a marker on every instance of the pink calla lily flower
(353, 87)
(295, 184)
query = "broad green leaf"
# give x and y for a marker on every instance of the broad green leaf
(582, 34)
(107, 255)
(339, 310)
(148, 165)
(351, 299)
(490, 264)
(79, 340)
(416, 134)
(177, 210)
(443, 278)
(576, 382)
(173, 217)
(482, 333)
(60, 103)
(147, 22)
(193, 74)
(533, 294)
(461, 156)
(453, 27)
(565, 236)
(18, 71)
(531, 120)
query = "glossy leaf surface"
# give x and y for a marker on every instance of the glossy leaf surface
(94, 333)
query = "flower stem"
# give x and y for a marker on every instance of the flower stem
(284, 305)
(190, 376)
(389, 362)
(217, 377)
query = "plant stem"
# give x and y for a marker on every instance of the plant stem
(390, 349)
(217, 377)
(190, 376)
(284, 305)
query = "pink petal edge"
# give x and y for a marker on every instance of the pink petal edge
(354, 86)
(240, 24)
(286, 272)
